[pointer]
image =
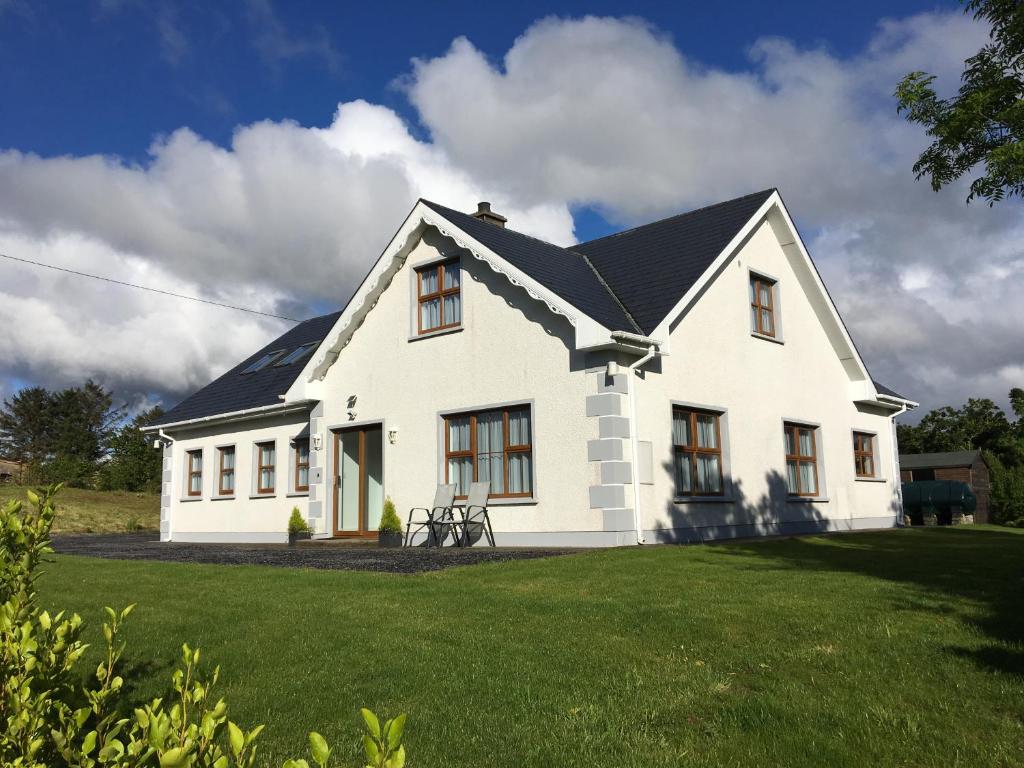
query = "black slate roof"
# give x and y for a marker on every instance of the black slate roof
(235, 391)
(884, 390)
(560, 270)
(651, 267)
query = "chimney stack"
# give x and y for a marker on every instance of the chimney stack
(484, 213)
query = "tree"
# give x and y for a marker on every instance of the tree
(134, 464)
(26, 426)
(982, 125)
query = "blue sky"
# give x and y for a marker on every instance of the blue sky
(107, 77)
(261, 153)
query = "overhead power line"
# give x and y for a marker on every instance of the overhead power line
(152, 290)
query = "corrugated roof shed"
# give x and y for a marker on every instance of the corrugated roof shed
(938, 460)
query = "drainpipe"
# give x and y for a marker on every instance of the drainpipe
(634, 443)
(170, 440)
(896, 459)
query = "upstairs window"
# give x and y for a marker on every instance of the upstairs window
(762, 305)
(697, 444)
(439, 298)
(194, 486)
(302, 465)
(226, 483)
(264, 360)
(864, 454)
(496, 446)
(801, 460)
(265, 468)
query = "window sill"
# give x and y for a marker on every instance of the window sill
(807, 499)
(432, 334)
(295, 494)
(510, 502)
(871, 479)
(223, 497)
(263, 495)
(765, 337)
(186, 499)
(703, 500)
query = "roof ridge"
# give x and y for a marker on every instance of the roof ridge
(505, 228)
(677, 216)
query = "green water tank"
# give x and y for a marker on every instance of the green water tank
(937, 497)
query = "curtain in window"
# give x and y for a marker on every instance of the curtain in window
(227, 476)
(707, 435)
(452, 309)
(808, 482)
(460, 472)
(681, 428)
(430, 314)
(791, 481)
(490, 450)
(196, 473)
(452, 276)
(709, 475)
(519, 480)
(519, 427)
(684, 473)
(806, 442)
(458, 433)
(428, 282)
(766, 294)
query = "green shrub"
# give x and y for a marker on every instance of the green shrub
(389, 522)
(49, 719)
(296, 523)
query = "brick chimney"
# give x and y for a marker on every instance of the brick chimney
(484, 213)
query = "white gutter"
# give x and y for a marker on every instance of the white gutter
(635, 339)
(634, 442)
(245, 413)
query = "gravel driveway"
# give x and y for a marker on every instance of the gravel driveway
(328, 556)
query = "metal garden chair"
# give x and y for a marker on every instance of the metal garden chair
(474, 513)
(437, 517)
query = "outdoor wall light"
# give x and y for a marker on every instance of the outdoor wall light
(393, 435)
(318, 441)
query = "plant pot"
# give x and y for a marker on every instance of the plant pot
(293, 537)
(389, 539)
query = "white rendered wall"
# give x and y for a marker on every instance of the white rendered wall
(717, 363)
(246, 516)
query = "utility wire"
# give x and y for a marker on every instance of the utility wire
(147, 288)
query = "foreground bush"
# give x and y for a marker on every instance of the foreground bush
(49, 718)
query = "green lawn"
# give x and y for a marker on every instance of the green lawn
(899, 648)
(84, 511)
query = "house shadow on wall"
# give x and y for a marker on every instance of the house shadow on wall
(739, 515)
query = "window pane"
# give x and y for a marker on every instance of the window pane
(709, 474)
(267, 454)
(267, 478)
(302, 450)
(195, 483)
(458, 433)
(197, 462)
(808, 483)
(806, 442)
(707, 434)
(869, 466)
(791, 482)
(684, 478)
(753, 317)
(228, 459)
(790, 444)
(519, 427)
(451, 275)
(428, 282)
(430, 314)
(681, 428)
(490, 450)
(766, 322)
(460, 472)
(452, 309)
(766, 295)
(753, 291)
(303, 477)
(519, 474)
(227, 481)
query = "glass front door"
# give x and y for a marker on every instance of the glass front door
(358, 480)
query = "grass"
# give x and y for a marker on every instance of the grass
(85, 511)
(899, 648)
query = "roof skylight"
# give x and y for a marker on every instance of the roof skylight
(264, 361)
(297, 354)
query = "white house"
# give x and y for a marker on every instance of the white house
(684, 380)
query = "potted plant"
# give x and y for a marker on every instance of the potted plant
(297, 528)
(390, 528)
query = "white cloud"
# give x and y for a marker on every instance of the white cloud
(602, 112)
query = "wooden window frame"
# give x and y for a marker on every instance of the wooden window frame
(862, 453)
(260, 466)
(439, 294)
(693, 451)
(222, 471)
(757, 281)
(507, 449)
(301, 465)
(800, 458)
(192, 472)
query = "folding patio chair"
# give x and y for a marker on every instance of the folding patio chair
(437, 517)
(474, 513)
